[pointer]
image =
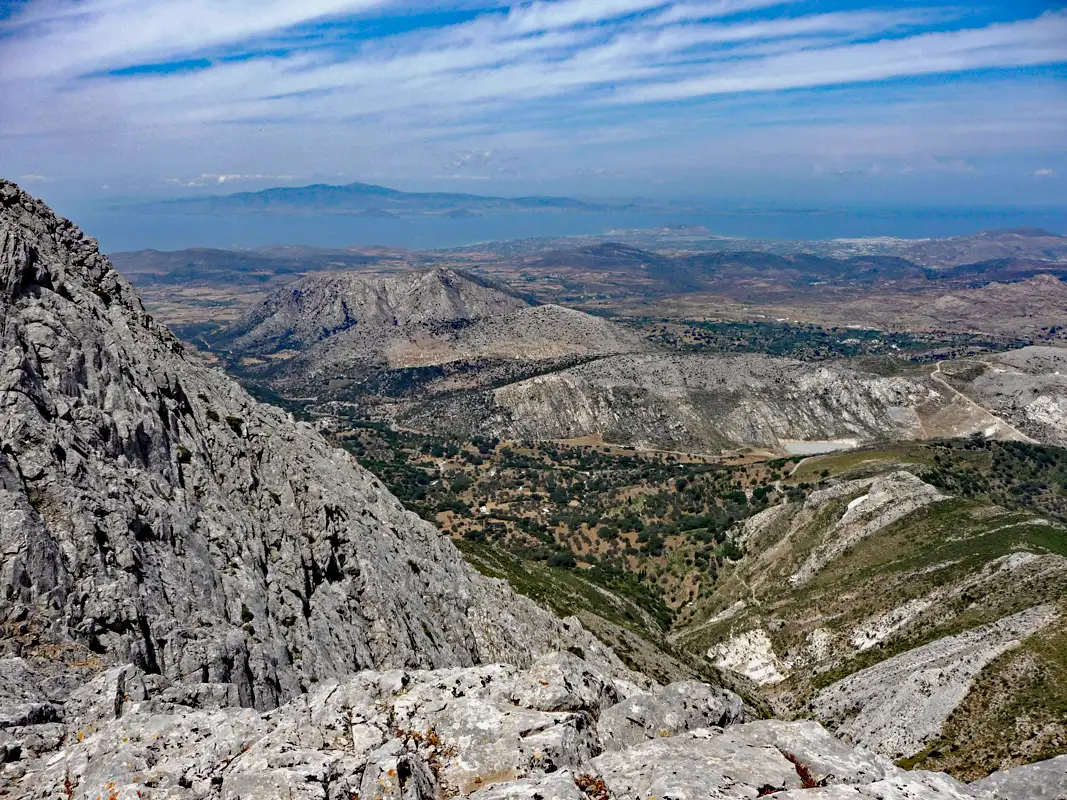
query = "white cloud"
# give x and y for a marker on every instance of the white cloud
(218, 179)
(71, 36)
(1044, 173)
(33, 177)
(1017, 44)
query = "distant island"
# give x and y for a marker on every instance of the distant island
(368, 200)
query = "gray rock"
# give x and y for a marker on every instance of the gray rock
(810, 746)
(427, 735)
(564, 682)
(896, 706)
(106, 696)
(19, 715)
(1045, 780)
(698, 764)
(907, 786)
(665, 711)
(557, 786)
(394, 772)
(498, 739)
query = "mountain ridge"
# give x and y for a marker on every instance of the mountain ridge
(337, 326)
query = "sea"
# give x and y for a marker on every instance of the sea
(122, 230)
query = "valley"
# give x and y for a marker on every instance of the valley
(796, 573)
(710, 487)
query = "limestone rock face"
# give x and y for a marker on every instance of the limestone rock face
(1046, 780)
(705, 402)
(151, 512)
(668, 710)
(427, 735)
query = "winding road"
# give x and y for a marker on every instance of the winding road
(936, 376)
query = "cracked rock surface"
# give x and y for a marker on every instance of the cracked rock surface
(473, 731)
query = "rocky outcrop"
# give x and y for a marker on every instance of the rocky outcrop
(1046, 780)
(706, 403)
(490, 732)
(151, 512)
(897, 706)
(750, 653)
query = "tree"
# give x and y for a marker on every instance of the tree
(562, 558)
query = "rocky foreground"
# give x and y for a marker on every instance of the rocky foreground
(560, 730)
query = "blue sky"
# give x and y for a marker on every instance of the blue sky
(801, 101)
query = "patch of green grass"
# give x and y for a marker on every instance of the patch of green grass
(853, 463)
(617, 597)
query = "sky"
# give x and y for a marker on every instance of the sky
(802, 102)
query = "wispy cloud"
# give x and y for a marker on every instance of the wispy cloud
(217, 179)
(76, 36)
(1016, 44)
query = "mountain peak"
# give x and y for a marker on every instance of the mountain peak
(46, 251)
(320, 306)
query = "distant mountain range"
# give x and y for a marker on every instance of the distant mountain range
(368, 200)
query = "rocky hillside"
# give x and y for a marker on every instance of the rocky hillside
(899, 606)
(154, 513)
(322, 306)
(1026, 387)
(710, 403)
(339, 326)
